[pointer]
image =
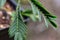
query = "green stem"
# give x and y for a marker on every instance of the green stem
(17, 10)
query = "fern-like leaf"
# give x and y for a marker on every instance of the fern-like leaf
(35, 11)
(17, 28)
(44, 12)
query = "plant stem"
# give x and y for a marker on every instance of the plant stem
(17, 10)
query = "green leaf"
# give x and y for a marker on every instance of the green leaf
(17, 28)
(27, 11)
(35, 11)
(46, 21)
(33, 17)
(42, 8)
(33, 8)
(54, 24)
(2, 2)
(39, 14)
(18, 36)
(44, 11)
(51, 16)
(13, 15)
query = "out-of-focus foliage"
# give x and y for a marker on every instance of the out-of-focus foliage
(2, 2)
(18, 28)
